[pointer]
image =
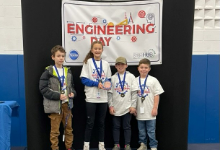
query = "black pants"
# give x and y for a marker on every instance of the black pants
(91, 109)
(126, 119)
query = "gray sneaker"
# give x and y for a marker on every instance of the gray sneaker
(127, 147)
(116, 147)
(142, 147)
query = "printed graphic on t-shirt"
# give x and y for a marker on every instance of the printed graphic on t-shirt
(119, 90)
(95, 75)
(146, 91)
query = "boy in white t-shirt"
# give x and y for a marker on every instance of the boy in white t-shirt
(149, 90)
(122, 101)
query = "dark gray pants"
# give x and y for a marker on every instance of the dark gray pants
(126, 119)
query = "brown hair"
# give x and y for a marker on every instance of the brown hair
(57, 48)
(90, 54)
(144, 61)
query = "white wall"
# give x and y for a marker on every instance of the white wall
(206, 39)
(11, 41)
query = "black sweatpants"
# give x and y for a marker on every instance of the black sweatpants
(91, 109)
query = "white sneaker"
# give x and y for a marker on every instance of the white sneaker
(101, 146)
(86, 146)
(153, 148)
(142, 147)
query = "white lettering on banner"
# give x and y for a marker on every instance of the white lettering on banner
(128, 29)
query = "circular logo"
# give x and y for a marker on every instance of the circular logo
(133, 38)
(141, 13)
(73, 54)
(94, 19)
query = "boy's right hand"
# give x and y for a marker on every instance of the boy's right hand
(63, 97)
(111, 110)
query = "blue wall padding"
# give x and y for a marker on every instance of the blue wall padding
(197, 99)
(204, 100)
(9, 77)
(23, 132)
(212, 100)
(12, 89)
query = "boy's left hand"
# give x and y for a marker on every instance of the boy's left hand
(71, 95)
(154, 112)
(132, 110)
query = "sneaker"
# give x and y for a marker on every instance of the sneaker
(153, 148)
(127, 147)
(116, 147)
(86, 147)
(101, 146)
(142, 147)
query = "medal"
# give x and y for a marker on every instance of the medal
(122, 83)
(142, 90)
(61, 79)
(62, 92)
(99, 73)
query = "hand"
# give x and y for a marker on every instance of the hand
(111, 110)
(132, 111)
(100, 86)
(71, 95)
(63, 97)
(154, 112)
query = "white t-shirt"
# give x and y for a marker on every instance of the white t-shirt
(93, 94)
(62, 77)
(152, 89)
(122, 104)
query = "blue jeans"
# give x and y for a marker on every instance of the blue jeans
(147, 127)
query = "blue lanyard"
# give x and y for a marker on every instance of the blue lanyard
(99, 73)
(62, 81)
(142, 90)
(122, 83)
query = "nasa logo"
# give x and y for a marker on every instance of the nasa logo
(73, 54)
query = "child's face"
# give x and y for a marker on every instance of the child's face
(97, 51)
(58, 58)
(121, 68)
(144, 69)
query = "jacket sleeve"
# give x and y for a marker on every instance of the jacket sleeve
(44, 87)
(89, 82)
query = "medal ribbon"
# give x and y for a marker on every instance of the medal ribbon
(142, 90)
(99, 73)
(62, 81)
(122, 83)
